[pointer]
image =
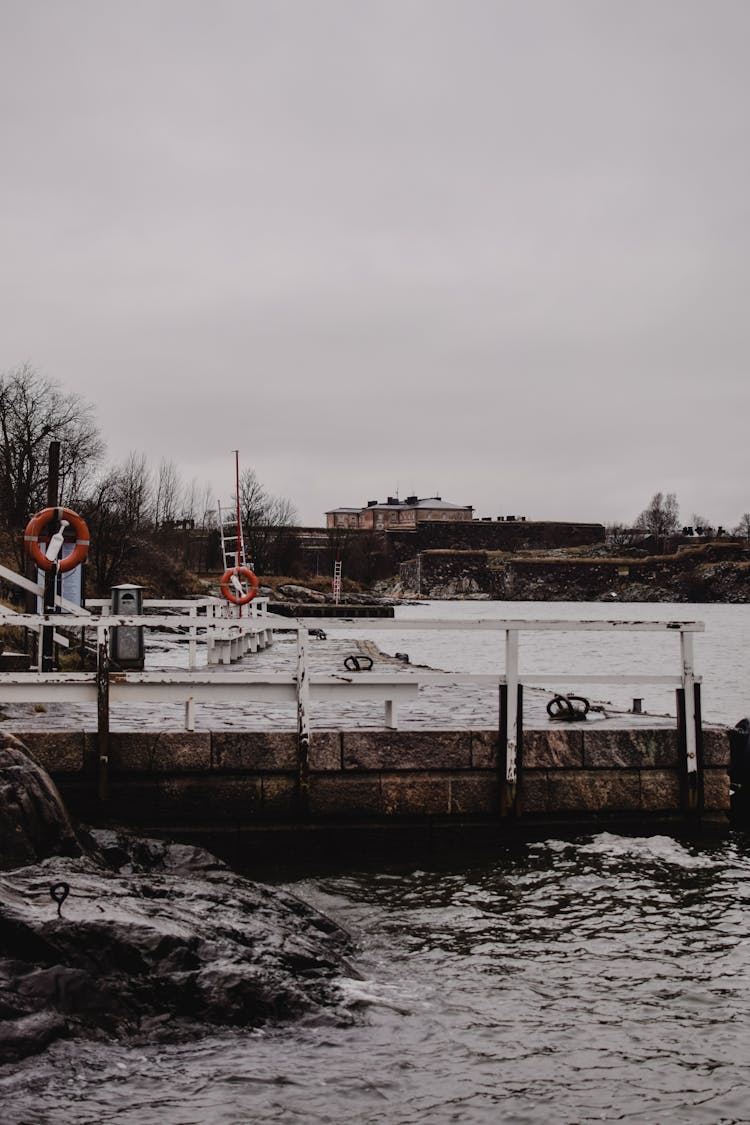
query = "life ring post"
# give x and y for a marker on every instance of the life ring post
(44, 551)
(35, 534)
(232, 588)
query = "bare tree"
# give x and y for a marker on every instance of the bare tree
(702, 525)
(619, 535)
(118, 512)
(282, 512)
(190, 500)
(661, 518)
(254, 500)
(206, 513)
(133, 491)
(168, 493)
(35, 411)
(266, 522)
(743, 527)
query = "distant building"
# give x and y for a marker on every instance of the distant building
(398, 513)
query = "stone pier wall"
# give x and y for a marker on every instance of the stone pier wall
(229, 780)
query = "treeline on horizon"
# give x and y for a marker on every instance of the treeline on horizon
(133, 509)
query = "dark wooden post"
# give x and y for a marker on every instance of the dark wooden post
(50, 577)
(102, 713)
(303, 723)
(691, 781)
(510, 805)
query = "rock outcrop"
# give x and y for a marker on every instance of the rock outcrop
(34, 822)
(289, 591)
(103, 934)
(712, 573)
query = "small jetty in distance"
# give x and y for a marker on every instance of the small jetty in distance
(318, 609)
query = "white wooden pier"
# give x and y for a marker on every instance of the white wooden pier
(229, 638)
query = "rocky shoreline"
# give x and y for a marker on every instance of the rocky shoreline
(105, 935)
(713, 573)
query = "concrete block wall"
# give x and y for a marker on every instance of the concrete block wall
(232, 779)
(493, 535)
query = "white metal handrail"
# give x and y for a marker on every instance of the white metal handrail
(512, 627)
(391, 687)
(208, 619)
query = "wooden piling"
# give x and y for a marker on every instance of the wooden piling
(303, 723)
(102, 714)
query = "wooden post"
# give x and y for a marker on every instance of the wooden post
(47, 662)
(48, 631)
(303, 721)
(699, 744)
(192, 644)
(688, 703)
(510, 800)
(511, 719)
(210, 634)
(102, 710)
(691, 779)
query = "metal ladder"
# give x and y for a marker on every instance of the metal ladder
(337, 581)
(232, 552)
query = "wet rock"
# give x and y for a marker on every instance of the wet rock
(299, 593)
(363, 599)
(34, 822)
(153, 940)
(28, 1035)
(162, 952)
(291, 592)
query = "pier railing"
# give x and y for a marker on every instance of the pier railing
(686, 682)
(227, 634)
(207, 618)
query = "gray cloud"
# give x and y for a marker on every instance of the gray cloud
(495, 250)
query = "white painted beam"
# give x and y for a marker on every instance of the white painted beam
(370, 624)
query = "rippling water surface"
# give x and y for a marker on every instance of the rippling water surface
(600, 979)
(722, 652)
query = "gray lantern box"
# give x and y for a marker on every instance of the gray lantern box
(128, 650)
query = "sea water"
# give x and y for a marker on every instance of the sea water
(722, 651)
(596, 978)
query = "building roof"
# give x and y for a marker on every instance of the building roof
(391, 507)
(437, 502)
(431, 502)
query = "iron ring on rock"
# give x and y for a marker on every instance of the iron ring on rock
(58, 892)
(358, 663)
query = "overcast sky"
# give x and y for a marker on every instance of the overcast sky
(498, 251)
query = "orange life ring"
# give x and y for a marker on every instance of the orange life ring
(230, 594)
(36, 526)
